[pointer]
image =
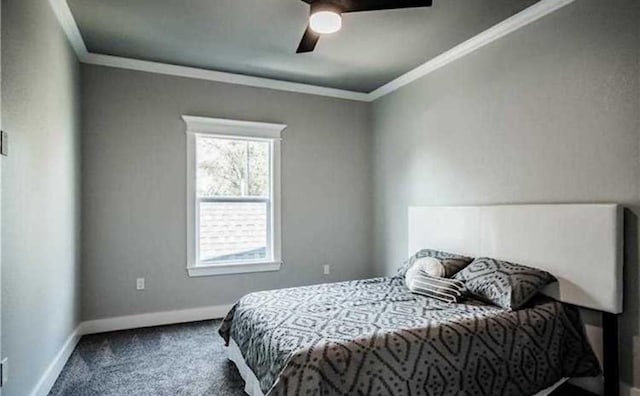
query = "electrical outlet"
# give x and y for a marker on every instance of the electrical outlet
(327, 269)
(140, 284)
(4, 368)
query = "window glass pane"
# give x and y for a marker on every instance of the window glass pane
(258, 169)
(233, 231)
(234, 168)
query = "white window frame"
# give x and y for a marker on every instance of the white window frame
(232, 129)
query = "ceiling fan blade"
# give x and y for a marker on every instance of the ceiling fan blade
(376, 5)
(309, 41)
(373, 5)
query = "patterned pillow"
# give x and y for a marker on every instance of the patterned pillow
(502, 283)
(436, 263)
(443, 289)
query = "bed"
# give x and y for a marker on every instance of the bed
(375, 337)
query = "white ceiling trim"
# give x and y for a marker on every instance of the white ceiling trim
(211, 75)
(68, 23)
(509, 25)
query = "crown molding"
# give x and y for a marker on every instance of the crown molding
(509, 25)
(211, 75)
(68, 23)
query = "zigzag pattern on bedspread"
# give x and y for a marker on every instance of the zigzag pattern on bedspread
(374, 337)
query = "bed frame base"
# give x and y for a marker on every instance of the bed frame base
(610, 354)
(251, 383)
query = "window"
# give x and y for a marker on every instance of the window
(233, 211)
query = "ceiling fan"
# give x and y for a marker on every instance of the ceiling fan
(326, 16)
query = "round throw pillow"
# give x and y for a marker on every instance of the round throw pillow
(432, 266)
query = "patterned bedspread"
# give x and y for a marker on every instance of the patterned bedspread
(374, 337)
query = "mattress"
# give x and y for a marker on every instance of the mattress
(375, 337)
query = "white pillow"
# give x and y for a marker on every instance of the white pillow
(431, 266)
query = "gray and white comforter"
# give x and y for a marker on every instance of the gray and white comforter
(374, 337)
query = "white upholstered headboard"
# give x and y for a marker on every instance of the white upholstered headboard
(579, 244)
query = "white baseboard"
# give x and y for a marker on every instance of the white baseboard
(153, 319)
(52, 372)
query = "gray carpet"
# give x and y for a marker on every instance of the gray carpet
(186, 359)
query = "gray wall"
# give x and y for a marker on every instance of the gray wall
(134, 191)
(40, 191)
(548, 114)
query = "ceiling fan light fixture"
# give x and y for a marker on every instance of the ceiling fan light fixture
(325, 22)
(326, 16)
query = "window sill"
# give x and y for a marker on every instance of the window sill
(233, 268)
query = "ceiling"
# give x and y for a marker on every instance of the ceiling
(259, 37)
